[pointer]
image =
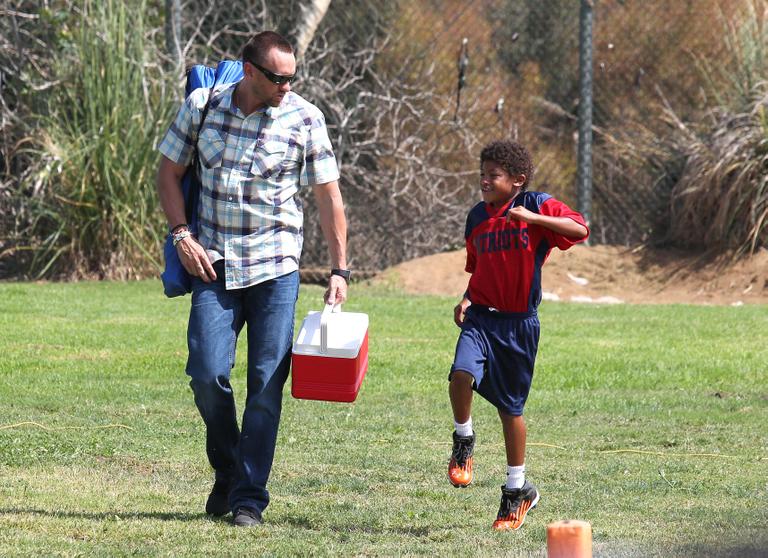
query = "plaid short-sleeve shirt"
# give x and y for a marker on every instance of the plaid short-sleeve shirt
(251, 168)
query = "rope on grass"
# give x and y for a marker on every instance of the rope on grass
(673, 454)
(642, 452)
(44, 427)
(543, 445)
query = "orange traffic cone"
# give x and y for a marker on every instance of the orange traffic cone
(569, 539)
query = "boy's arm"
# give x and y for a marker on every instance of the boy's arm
(460, 310)
(560, 225)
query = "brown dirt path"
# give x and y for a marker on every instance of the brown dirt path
(610, 274)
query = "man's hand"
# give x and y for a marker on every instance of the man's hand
(195, 260)
(191, 253)
(460, 310)
(336, 293)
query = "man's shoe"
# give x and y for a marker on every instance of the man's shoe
(460, 467)
(515, 504)
(218, 499)
(246, 517)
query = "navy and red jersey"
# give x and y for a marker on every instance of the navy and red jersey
(505, 259)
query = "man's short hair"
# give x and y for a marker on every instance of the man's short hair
(513, 158)
(260, 44)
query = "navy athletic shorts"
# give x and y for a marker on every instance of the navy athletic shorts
(499, 350)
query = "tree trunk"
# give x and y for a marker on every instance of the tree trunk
(312, 13)
(173, 32)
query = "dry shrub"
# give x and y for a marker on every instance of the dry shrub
(709, 178)
(721, 199)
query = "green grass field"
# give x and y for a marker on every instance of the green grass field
(650, 422)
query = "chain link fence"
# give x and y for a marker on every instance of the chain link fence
(413, 90)
(510, 68)
(446, 77)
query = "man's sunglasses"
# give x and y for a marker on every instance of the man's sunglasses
(277, 79)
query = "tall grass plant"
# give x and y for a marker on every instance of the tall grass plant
(731, 81)
(93, 194)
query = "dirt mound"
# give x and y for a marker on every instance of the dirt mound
(611, 274)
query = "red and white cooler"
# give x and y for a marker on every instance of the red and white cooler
(330, 355)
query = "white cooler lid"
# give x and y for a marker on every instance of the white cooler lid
(345, 334)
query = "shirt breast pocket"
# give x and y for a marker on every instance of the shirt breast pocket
(268, 157)
(210, 147)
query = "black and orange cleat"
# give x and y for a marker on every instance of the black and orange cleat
(515, 504)
(460, 467)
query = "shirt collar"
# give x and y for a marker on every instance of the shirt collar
(498, 211)
(504, 208)
(227, 104)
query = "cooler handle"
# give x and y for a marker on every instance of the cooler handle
(324, 315)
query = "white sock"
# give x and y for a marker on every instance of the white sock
(464, 429)
(515, 476)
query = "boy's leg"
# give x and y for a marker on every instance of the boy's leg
(466, 374)
(514, 438)
(460, 392)
(513, 343)
(460, 471)
(518, 496)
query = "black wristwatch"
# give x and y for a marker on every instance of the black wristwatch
(345, 273)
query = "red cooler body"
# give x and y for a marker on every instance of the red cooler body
(330, 356)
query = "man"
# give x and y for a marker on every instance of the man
(259, 144)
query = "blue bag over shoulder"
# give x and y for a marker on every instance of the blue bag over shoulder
(176, 280)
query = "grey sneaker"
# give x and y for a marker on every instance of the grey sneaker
(246, 517)
(515, 504)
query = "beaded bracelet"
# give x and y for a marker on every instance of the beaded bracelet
(178, 237)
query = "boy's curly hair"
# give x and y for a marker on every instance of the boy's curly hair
(513, 157)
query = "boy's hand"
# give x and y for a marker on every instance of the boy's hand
(520, 213)
(460, 311)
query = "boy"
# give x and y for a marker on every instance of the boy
(508, 238)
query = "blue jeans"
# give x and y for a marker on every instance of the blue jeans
(216, 318)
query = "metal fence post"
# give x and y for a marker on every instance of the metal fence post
(584, 177)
